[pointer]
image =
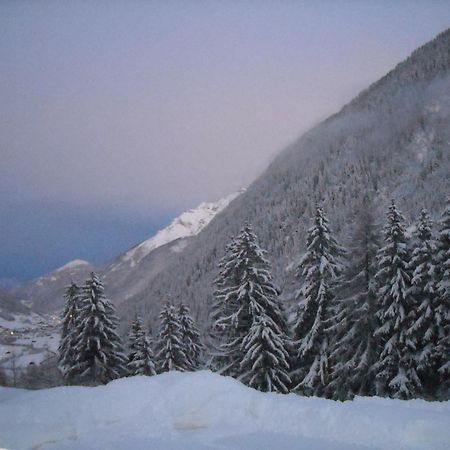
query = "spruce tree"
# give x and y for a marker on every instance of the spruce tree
(170, 353)
(264, 349)
(395, 369)
(320, 267)
(142, 362)
(265, 355)
(67, 354)
(443, 301)
(423, 289)
(250, 281)
(135, 334)
(355, 349)
(190, 338)
(99, 351)
(223, 305)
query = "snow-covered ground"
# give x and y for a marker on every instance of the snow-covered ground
(205, 411)
(27, 339)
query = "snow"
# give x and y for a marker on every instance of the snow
(187, 224)
(27, 338)
(72, 265)
(203, 410)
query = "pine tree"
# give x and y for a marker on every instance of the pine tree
(222, 308)
(142, 362)
(67, 355)
(250, 281)
(355, 349)
(320, 267)
(190, 338)
(135, 334)
(443, 301)
(170, 353)
(99, 351)
(423, 289)
(265, 356)
(264, 349)
(395, 370)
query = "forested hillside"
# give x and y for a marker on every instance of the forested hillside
(391, 142)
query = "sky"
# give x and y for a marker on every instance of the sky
(115, 116)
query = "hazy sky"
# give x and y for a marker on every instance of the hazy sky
(115, 116)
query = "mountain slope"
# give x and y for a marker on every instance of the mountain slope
(129, 274)
(392, 141)
(45, 294)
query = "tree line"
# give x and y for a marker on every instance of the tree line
(370, 319)
(91, 351)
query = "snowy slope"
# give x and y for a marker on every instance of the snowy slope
(203, 410)
(187, 224)
(45, 294)
(27, 339)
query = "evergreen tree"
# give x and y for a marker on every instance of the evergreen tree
(265, 356)
(190, 337)
(134, 336)
(264, 350)
(423, 289)
(320, 268)
(98, 347)
(443, 301)
(67, 355)
(250, 281)
(170, 353)
(355, 351)
(222, 308)
(395, 370)
(142, 362)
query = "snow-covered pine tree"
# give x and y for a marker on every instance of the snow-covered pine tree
(355, 350)
(396, 374)
(423, 289)
(136, 332)
(190, 337)
(222, 307)
(67, 355)
(251, 281)
(170, 353)
(142, 361)
(265, 355)
(264, 350)
(443, 301)
(320, 267)
(98, 347)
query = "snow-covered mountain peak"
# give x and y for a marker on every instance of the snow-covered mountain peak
(72, 265)
(188, 224)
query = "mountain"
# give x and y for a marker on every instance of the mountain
(391, 141)
(128, 273)
(186, 225)
(10, 305)
(45, 294)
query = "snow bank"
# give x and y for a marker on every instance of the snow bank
(205, 411)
